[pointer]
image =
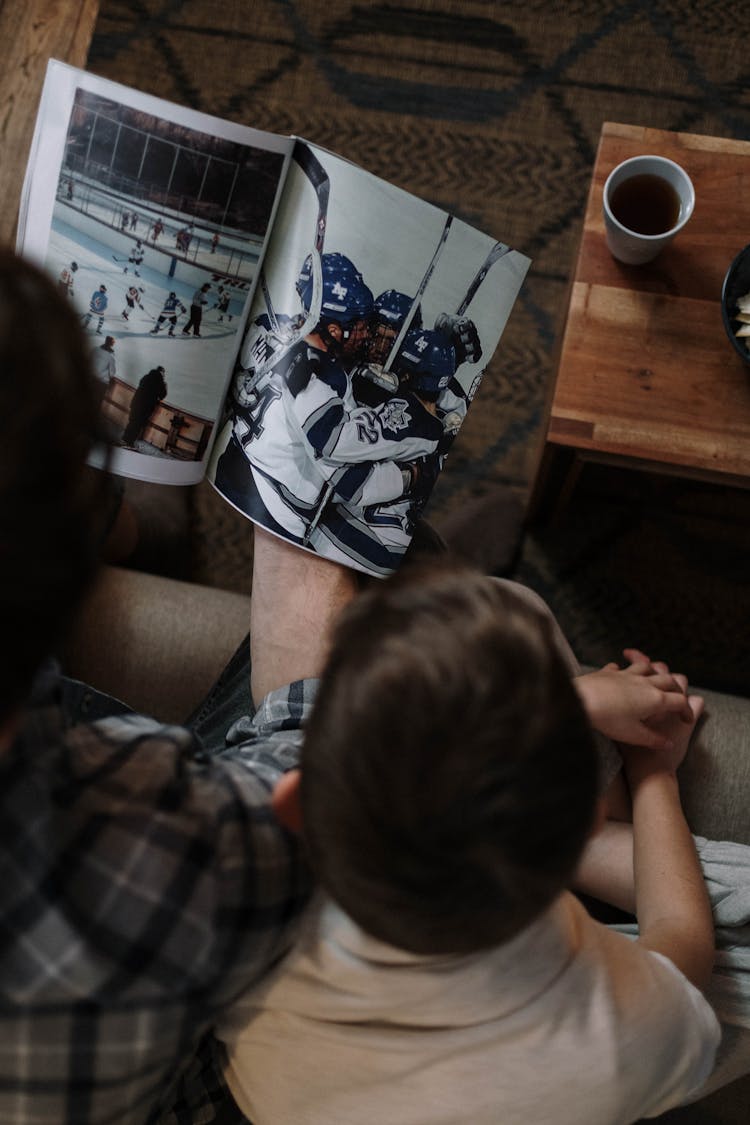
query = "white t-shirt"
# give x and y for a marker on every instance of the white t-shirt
(568, 1022)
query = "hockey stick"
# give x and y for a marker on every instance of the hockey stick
(392, 354)
(321, 184)
(499, 250)
(115, 259)
(269, 303)
(418, 296)
(380, 375)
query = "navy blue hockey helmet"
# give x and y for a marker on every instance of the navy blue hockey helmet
(345, 295)
(428, 359)
(392, 308)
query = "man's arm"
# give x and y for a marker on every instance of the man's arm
(296, 599)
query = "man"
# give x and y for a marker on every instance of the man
(136, 258)
(151, 390)
(222, 304)
(143, 880)
(67, 279)
(287, 404)
(198, 303)
(423, 368)
(132, 298)
(169, 312)
(97, 307)
(103, 363)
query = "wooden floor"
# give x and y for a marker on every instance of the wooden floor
(31, 32)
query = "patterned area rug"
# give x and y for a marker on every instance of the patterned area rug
(492, 111)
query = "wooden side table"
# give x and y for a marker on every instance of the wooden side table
(647, 378)
(32, 32)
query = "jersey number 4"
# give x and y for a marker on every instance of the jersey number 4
(249, 424)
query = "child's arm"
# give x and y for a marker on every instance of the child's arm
(652, 868)
(626, 703)
(672, 905)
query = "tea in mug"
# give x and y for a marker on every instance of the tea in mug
(646, 204)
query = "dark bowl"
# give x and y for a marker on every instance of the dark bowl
(736, 285)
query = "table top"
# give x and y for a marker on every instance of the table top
(646, 374)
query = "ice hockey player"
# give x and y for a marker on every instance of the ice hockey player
(318, 448)
(66, 279)
(390, 312)
(156, 230)
(371, 383)
(169, 312)
(132, 298)
(223, 304)
(424, 367)
(136, 258)
(97, 307)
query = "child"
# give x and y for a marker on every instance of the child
(448, 786)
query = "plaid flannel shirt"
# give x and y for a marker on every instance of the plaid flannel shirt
(143, 884)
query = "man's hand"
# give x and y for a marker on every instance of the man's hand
(643, 704)
(462, 333)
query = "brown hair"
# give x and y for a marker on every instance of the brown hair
(51, 504)
(449, 773)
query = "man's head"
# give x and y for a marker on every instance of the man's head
(390, 310)
(449, 774)
(426, 363)
(109, 343)
(50, 502)
(346, 304)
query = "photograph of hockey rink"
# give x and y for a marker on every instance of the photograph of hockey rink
(152, 219)
(196, 367)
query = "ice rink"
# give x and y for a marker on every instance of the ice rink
(197, 368)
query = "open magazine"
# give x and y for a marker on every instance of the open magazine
(263, 312)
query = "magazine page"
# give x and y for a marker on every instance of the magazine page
(370, 329)
(153, 219)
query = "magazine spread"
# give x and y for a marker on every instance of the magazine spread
(263, 312)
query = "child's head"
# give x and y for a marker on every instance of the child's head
(50, 503)
(449, 774)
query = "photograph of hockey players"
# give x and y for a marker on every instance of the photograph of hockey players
(134, 171)
(323, 445)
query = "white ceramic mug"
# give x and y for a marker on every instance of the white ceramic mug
(633, 246)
